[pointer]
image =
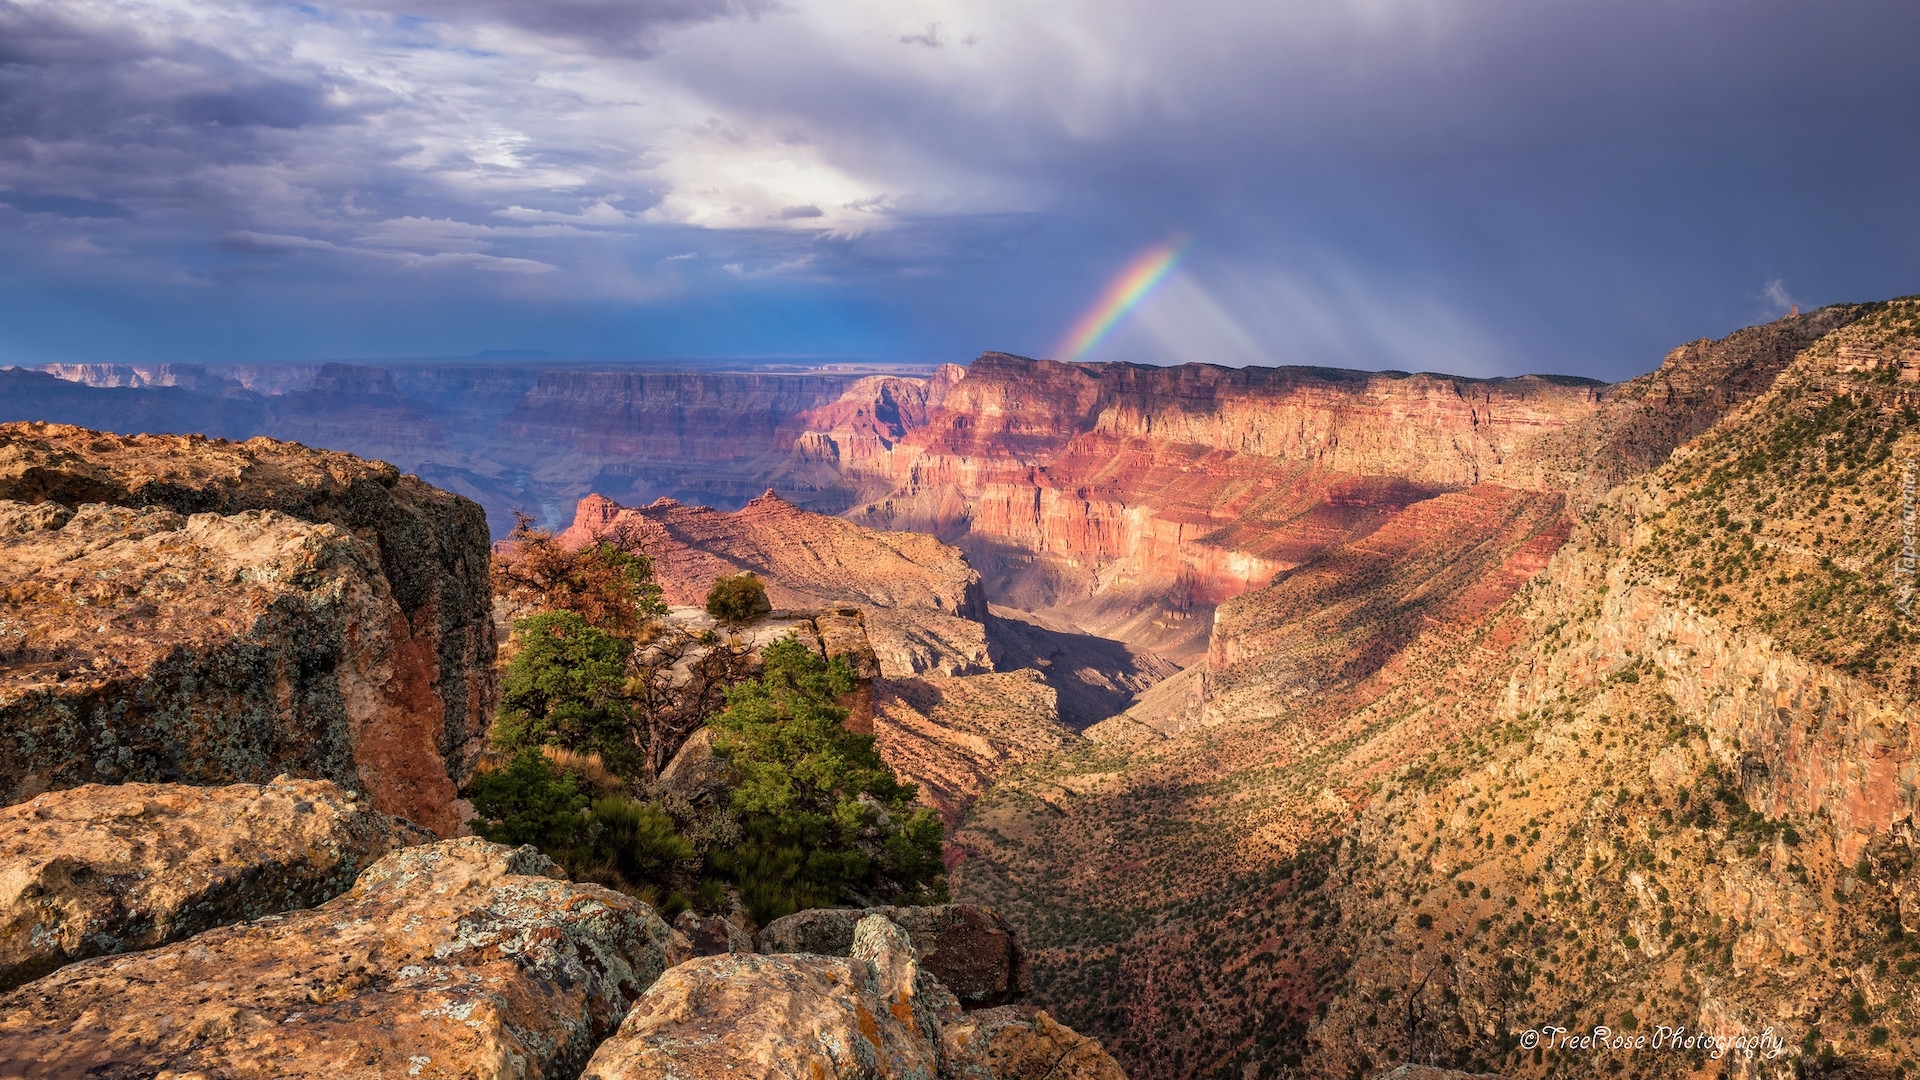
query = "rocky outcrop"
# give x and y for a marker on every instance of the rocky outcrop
(971, 950)
(869, 1016)
(874, 1011)
(925, 611)
(458, 959)
(1025, 1043)
(191, 610)
(104, 869)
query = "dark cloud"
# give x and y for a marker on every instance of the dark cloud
(65, 206)
(622, 26)
(1494, 187)
(272, 103)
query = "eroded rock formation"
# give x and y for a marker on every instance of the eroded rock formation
(186, 609)
(102, 869)
(460, 958)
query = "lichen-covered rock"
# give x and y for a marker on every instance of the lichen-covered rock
(1029, 1044)
(109, 869)
(185, 609)
(744, 1016)
(456, 959)
(971, 950)
(696, 775)
(712, 935)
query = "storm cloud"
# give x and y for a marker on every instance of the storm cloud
(1487, 188)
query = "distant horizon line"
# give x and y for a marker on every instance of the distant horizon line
(796, 366)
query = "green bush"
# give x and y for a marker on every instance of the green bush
(738, 598)
(530, 802)
(636, 841)
(564, 688)
(825, 821)
(615, 840)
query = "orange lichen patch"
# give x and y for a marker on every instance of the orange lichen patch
(868, 1029)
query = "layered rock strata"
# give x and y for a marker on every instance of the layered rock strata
(104, 869)
(457, 959)
(187, 609)
(1131, 500)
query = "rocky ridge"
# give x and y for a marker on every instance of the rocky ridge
(926, 611)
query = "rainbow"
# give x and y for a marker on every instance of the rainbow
(1124, 293)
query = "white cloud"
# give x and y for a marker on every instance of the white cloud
(1776, 295)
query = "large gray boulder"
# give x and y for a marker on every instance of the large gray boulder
(971, 950)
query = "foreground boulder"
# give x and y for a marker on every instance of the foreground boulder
(186, 609)
(1028, 1044)
(971, 950)
(456, 959)
(712, 935)
(108, 869)
(868, 1016)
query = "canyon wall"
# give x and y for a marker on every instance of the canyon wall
(1129, 500)
(1490, 768)
(1118, 499)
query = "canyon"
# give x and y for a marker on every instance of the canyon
(1300, 722)
(1642, 767)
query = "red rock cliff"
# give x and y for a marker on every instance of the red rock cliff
(1136, 498)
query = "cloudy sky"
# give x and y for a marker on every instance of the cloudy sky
(1479, 186)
